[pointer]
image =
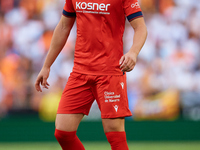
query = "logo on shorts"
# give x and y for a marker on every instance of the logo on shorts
(122, 84)
(116, 107)
(135, 5)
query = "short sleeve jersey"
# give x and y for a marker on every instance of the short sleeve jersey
(100, 28)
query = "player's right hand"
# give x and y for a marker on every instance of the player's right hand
(42, 79)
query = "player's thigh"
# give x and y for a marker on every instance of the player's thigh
(77, 97)
(113, 124)
(68, 122)
(111, 95)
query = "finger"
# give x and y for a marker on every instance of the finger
(48, 84)
(44, 82)
(121, 60)
(125, 64)
(130, 68)
(37, 85)
(130, 65)
(125, 69)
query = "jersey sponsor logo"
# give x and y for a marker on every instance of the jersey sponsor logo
(135, 5)
(92, 8)
(116, 107)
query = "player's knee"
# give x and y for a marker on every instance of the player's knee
(68, 140)
(58, 135)
(112, 125)
(68, 136)
(68, 122)
(113, 128)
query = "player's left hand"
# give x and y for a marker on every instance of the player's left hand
(128, 61)
(42, 79)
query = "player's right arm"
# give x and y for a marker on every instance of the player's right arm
(59, 39)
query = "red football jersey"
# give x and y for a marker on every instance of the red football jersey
(100, 28)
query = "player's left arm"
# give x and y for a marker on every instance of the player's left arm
(128, 61)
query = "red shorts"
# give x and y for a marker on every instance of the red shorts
(110, 93)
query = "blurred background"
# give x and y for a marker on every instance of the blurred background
(163, 88)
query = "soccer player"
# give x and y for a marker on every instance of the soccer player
(100, 67)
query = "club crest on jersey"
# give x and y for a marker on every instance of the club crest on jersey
(135, 5)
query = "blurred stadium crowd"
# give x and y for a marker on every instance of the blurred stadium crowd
(169, 60)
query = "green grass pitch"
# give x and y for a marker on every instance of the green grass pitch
(105, 146)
